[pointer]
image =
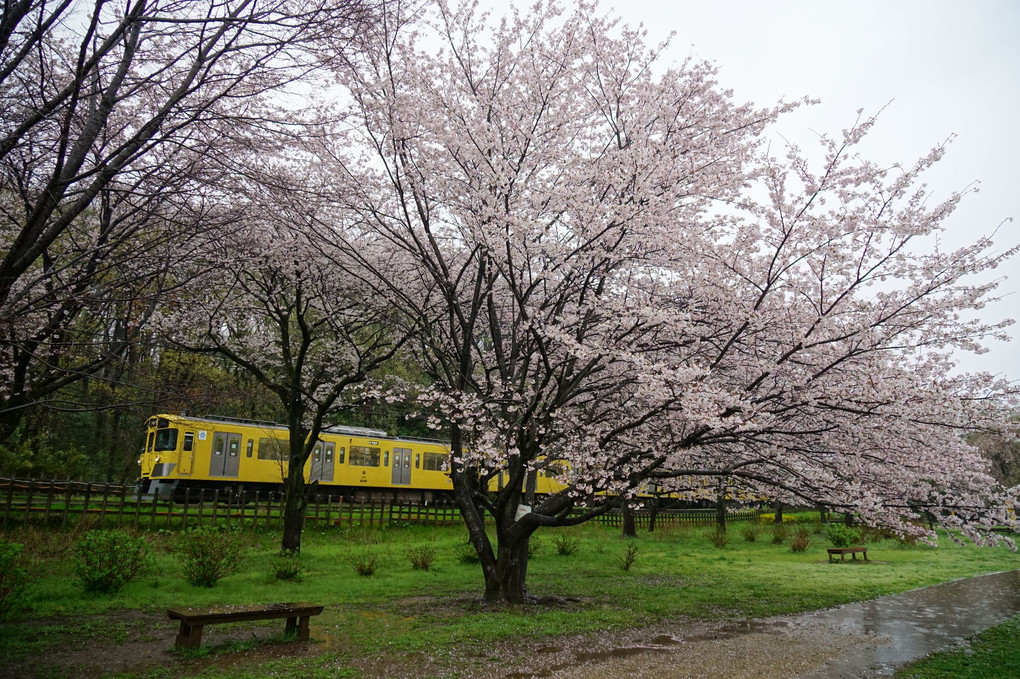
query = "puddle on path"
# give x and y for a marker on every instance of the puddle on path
(919, 622)
(862, 640)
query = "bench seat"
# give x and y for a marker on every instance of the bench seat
(843, 551)
(193, 620)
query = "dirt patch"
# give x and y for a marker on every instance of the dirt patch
(131, 642)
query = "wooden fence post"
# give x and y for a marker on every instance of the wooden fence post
(106, 496)
(138, 509)
(67, 503)
(28, 500)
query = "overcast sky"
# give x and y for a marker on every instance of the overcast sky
(939, 67)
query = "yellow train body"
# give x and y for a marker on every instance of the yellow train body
(186, 455)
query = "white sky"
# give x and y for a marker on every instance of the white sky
(944, 67)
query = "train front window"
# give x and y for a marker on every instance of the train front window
(152, 438)
(166, 439)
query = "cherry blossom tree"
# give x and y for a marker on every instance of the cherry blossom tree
(625, 286)
(115, 118)
(280, 301)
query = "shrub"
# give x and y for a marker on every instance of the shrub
(422, 557)
(750, 531)
(12, 577)
(286, 565)
(629, 556)
(534, 545)
(106, 560)
(566, 545)
(363, 564)
(209, 555)
(718, 537)
(779, 533)
(841, 535)
(801, 540)
(468, 554)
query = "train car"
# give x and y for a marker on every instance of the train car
(184, 456)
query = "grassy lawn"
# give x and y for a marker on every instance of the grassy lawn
(993, 654)
(434, 614)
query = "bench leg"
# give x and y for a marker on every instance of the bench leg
(189, 636)
(297, 629)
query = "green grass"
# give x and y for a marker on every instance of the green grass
(403, 610)
(993, 654)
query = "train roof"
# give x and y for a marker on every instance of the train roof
(341, 429)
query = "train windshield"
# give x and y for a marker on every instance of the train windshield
(166, 439)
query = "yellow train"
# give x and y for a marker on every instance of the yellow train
(185, 456)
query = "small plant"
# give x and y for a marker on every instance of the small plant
(534, 545)
(779, 533)
(286, 566)
(751, 531)
(629, 556)
(209, 555)
(363, 564)
(718, 537)
(422, 556)
(468, 554)
(801, 540)
(566, 545)
(841, 535)
(106, 560)
(12, 577)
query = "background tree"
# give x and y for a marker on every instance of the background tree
(624, 286)
(115, 119)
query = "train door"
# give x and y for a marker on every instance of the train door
(187, 453)
(401, 466)
(226, 454)
(322, 462)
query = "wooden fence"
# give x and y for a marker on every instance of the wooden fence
(65, 503)
(677, 517)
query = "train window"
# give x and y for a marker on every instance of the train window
(189, 441)
(162, 423)
(271, 449)
(151, 424)
(340, 460)
(364, 456)
(152, 439)
(166, 439)
(435, 462)
(386, 459)
(251, 445)
(417, 461)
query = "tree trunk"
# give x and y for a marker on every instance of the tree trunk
(629, 525)
(779, 512)
(295, 503)
(720, 512)
(653, 513)
(507, 582)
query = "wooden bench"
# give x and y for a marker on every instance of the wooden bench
(843, 551)
(194, 619)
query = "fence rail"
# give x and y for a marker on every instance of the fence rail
(65, 503)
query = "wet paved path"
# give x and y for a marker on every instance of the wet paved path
(856, 641)
(921, 621)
